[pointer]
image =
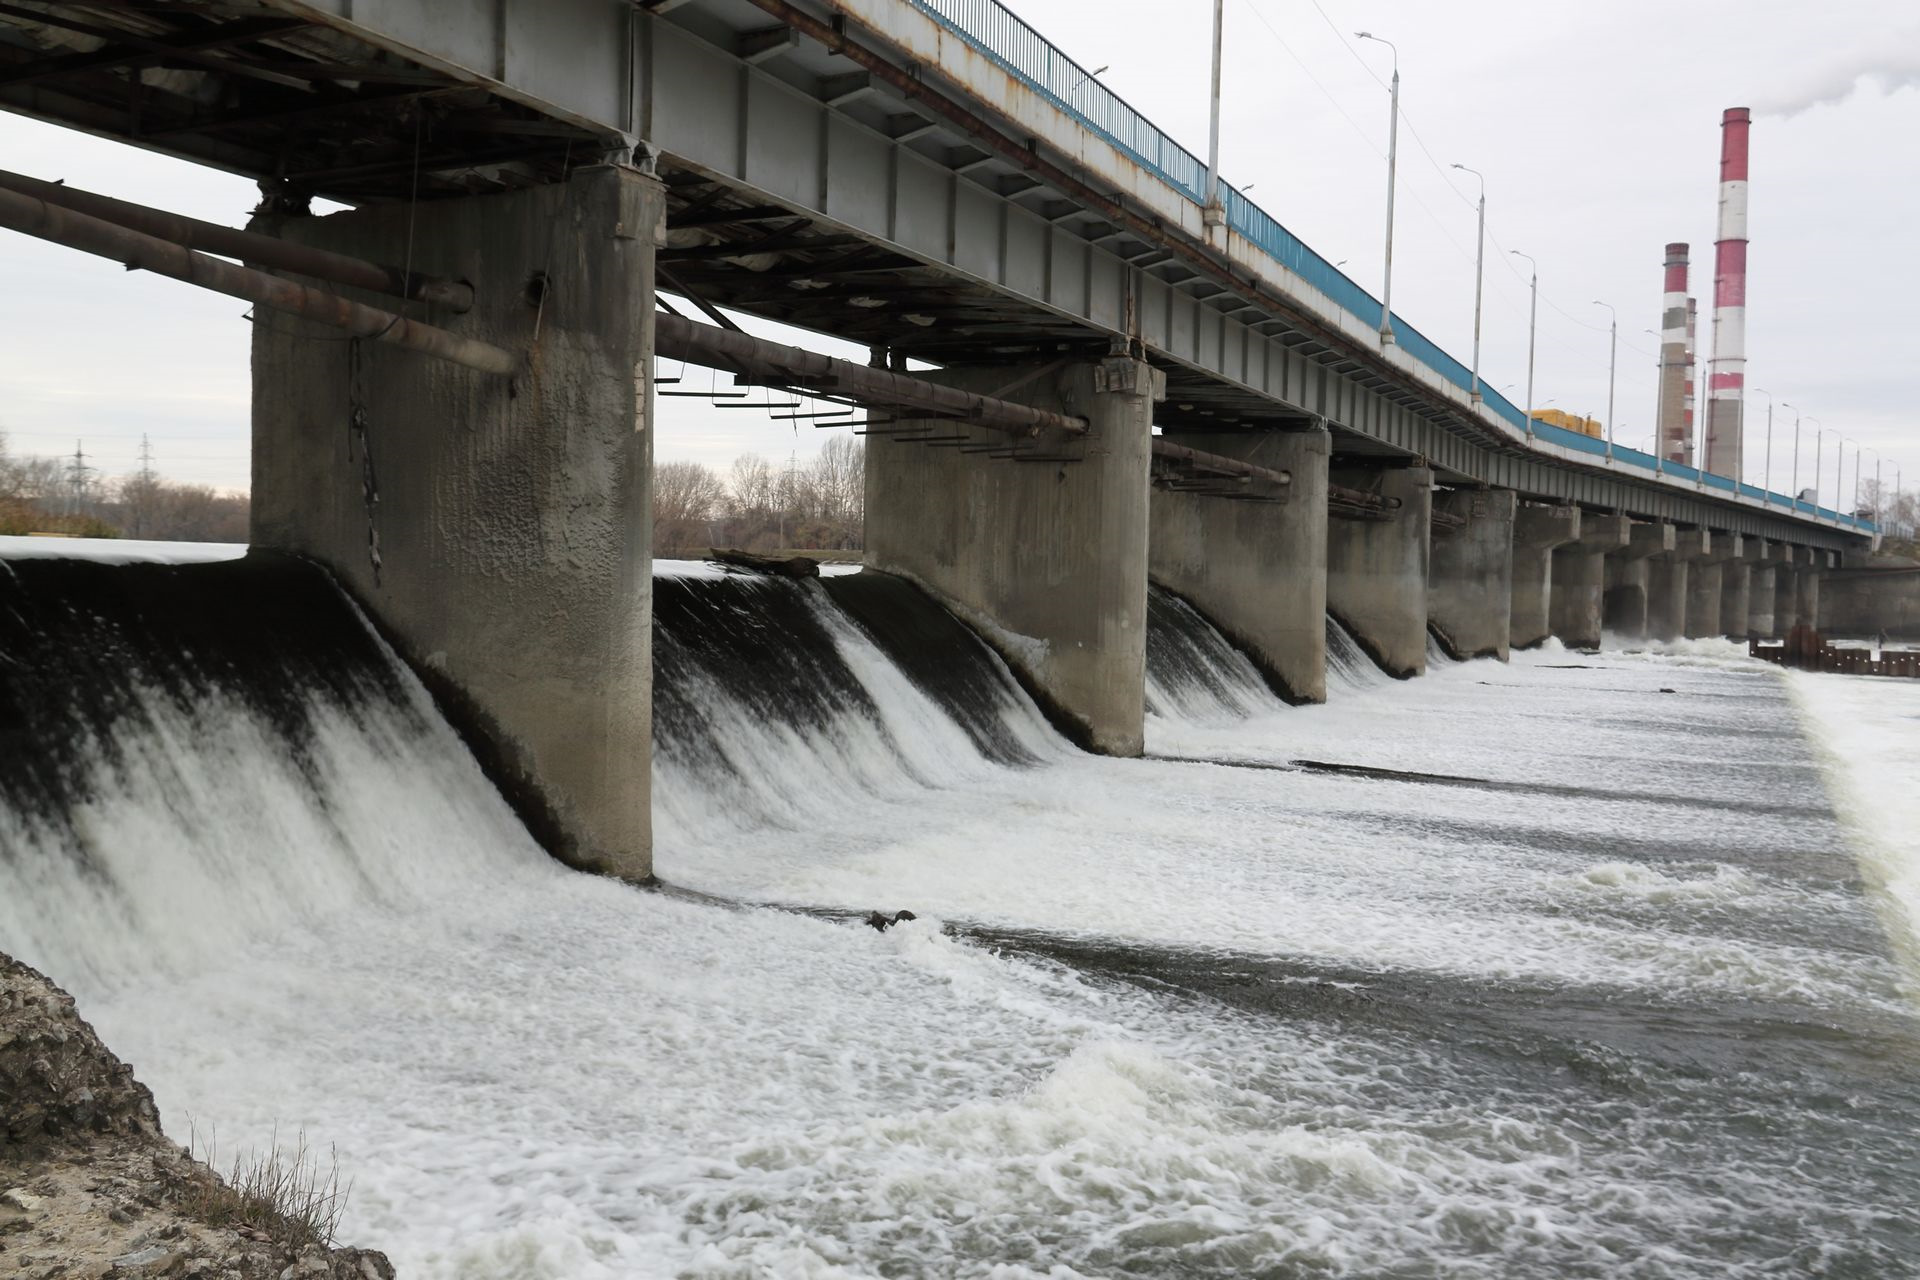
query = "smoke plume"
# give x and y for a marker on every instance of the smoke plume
(1893, 66)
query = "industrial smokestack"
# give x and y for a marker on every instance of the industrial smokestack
(1726, 382)
(1673, 358)
(1693, 360)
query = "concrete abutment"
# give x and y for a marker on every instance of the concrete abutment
(1470, 571)
(1377, 565)
(1669, 584)
(497, 529)
(1538, 532)
(1579, 577)
(1630, 579)
(1047, 560)
(1256, 569)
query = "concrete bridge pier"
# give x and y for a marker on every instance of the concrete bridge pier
(1668, 579)
(1736, 589)
(1629, 579)
(1758, 557)
(1537, 533)
(1786, 587)
(497, 528)
(1818, 561)
(1706, 584)
(1047, 560)
(1577, 601)
(1257, 570)
(1470, 571)
(1377, 565)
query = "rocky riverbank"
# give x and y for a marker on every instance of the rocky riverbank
(90, 1187)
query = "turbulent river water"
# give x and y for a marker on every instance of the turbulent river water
(1582, 965)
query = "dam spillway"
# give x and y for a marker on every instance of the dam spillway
(1554, 1015)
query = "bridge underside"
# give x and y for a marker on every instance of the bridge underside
(809, 179)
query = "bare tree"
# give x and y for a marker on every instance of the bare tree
(687, 496)
(837, 484)
(752, 487)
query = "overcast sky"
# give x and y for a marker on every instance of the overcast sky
(1596, 125)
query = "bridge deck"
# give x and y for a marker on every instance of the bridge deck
(926, 175)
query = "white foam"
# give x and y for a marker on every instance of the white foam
(713, 570)
(534, 1074)
(119, 550)
(1868, 728)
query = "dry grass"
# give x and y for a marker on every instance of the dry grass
(287, 1196)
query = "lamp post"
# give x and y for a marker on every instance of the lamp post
(1766, 475)
(1533, 317)
(1855, 512)
(1479, 277)
(1393, 153)
(1818, 431)
(1211, 214)
(1613, 351)
(1793, 499)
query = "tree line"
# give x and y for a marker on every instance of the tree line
(68, 496)
(757, 505)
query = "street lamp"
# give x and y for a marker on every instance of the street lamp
(1091, 75)
(1766, 476)
(1393, 152)
(1533, 317)
(1613, 351)
(1479, 277)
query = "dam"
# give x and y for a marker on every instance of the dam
(1343, 830)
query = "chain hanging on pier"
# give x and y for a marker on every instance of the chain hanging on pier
(358, 420)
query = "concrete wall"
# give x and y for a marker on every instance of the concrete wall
(1537, 533)
(1868, 602)
(1257, 570)
(1580, 578)
(512, 520)
(1377, 568)
(1047, 560)
(1470, 572)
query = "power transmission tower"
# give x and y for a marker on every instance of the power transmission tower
(142, 504)
(78, 482)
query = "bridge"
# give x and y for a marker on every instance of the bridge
(453, 380)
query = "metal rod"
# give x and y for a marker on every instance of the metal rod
(1165, 448)
(143, 252)
(679, 338)
(1339, 493)
(249, 246)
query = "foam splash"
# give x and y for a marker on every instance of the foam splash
(1867, 727)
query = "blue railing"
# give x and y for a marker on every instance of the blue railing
(993, 30)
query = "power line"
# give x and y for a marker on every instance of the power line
(1420, 141)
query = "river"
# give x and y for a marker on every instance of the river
(1579, 965)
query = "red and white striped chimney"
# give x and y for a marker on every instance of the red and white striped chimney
(1672, 405)
(1726, 381)
(1693, 358)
